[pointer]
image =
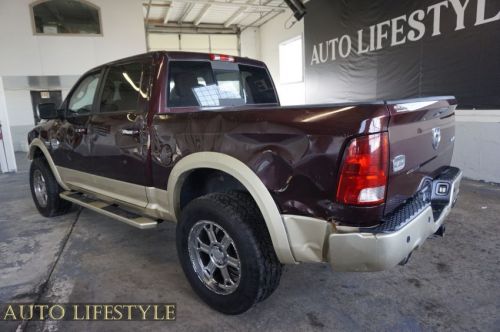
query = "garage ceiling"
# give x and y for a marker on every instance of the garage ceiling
(209, 16)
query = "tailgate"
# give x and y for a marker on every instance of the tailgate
(421, 137)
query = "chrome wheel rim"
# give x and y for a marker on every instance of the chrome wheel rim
(214, 257)
(40, 188)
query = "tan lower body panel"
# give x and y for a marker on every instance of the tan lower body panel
(158, 204)
(119, 190)
(148, 201)
(308, 237)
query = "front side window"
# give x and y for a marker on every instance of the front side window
(218, 84)
(122, 88)
(66, 17)
(82, 99)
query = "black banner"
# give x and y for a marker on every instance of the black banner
(359, 50)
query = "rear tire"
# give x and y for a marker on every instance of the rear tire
(45, 190)
(235, 267)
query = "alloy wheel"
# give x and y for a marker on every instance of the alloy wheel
(214, 257)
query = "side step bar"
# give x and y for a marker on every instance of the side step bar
(109, 210)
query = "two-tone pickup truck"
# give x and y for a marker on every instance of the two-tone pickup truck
(201, 140)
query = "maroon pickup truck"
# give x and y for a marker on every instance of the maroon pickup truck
(201, 140)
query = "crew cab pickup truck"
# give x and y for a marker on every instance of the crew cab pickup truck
(201, 140)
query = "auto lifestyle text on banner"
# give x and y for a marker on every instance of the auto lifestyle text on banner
(380, 49)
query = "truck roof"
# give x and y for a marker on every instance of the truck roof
(179, 55)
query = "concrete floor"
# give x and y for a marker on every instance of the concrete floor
(449, 284)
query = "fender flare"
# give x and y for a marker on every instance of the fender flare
(248, 179)
(38, 144)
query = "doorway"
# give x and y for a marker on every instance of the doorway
(42, 97)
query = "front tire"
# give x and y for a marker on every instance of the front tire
(45, 190)
(226, 252)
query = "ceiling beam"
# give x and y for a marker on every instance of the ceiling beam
(233, 18)
(220, 3)
(157, 26)
(237, 14)
(157, 4)
(266, 18)
(167, 13)
(189, 7)
(202, 14)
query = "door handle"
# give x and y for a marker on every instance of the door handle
(130, 132)
(81, 130)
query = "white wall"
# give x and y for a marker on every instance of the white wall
(271, 35)
(250, 43)
(477, 144)
(24, 55)
(19, 107)
(7, 157)
(263, 44)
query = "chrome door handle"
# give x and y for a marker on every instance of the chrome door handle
(81, 130)
(130, 132)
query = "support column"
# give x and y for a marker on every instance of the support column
(7, 156)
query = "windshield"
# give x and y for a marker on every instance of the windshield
(218, 84)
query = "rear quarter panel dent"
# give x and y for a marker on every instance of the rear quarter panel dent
(248, 179)
(293, 151)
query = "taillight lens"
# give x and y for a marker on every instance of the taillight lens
(363, 175)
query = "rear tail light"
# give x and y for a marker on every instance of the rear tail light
(221, 57)
(363, 175)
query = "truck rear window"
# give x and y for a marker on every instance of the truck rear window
(218, 84)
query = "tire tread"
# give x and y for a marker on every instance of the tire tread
(241, 208)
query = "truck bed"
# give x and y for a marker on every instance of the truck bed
(297, 150)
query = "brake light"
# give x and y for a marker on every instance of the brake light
(363, 175)
(221, 57)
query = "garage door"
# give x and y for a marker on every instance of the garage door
(207, 43)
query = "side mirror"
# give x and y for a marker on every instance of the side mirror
(47, 111)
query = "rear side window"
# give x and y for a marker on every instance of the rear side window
(258, 86)
(188, 84)
(122, 88)
(216, 84)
